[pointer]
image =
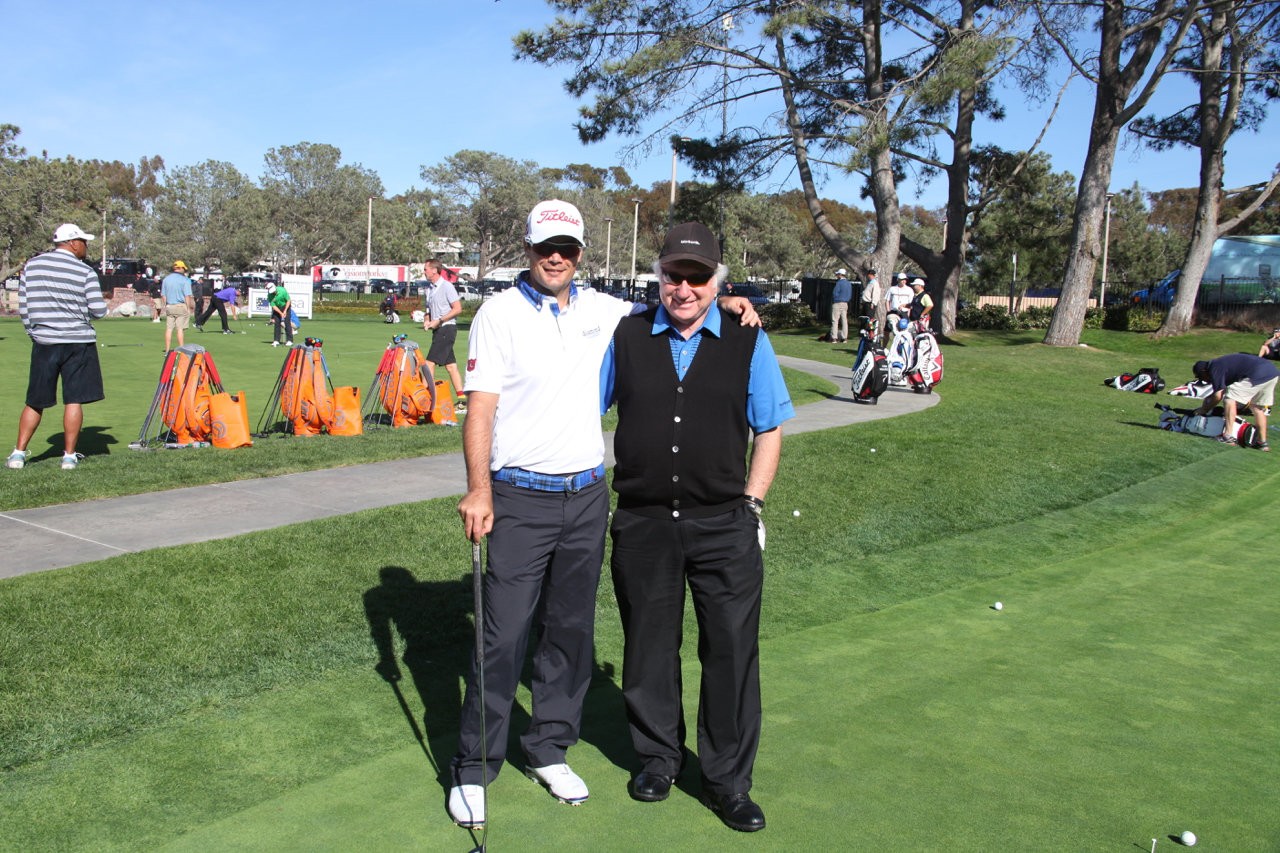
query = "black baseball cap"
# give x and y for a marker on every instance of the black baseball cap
(691, 241)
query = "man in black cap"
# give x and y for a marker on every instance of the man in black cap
(1239, 378)
(693, 390)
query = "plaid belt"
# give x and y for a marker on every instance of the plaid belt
(549, 482)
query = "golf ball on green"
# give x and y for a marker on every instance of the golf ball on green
(796, 513)
(1189, 838)
(873, 450)
(998, 606)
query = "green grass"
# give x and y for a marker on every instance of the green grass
(222, 695)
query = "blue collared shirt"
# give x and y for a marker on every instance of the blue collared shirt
(768, 401)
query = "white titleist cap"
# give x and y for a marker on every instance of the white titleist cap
(69, 231)
(554, 221)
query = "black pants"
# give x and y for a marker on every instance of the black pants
(719, 558)
(215, 304)
(545, 554)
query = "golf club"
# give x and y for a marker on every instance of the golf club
(477, 591)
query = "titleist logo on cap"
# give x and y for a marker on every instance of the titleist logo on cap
(557, 215)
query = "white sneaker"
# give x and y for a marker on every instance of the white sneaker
(565, 785)
(17, 458)
(275, 343)
(71, 460)
(466, 805)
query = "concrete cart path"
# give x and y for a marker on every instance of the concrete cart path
(68, 534)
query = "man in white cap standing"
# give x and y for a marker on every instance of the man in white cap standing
(841, 296)
(896, 299)
(534, 453)
(58, 296)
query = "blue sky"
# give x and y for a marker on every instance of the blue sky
(395, 85)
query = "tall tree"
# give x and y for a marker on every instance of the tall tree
(840, 103)
(1138, 43)
(1230, 53)
(319, 206)
(210, 215)
(489, 197)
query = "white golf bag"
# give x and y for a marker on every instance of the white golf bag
(926, 366)
(901, 353)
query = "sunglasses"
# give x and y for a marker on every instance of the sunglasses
(694, 279)
(546, 250)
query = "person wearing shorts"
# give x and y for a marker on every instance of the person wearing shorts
(1239, 379)
(58, 295)
(179, 303)
(443, 305)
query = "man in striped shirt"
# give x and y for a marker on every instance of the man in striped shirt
(58, 297)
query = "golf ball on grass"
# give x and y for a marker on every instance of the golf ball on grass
(796, 513)
(873, 450)
(1188, 838)
(997, 606)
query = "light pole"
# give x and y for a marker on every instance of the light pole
(608, 247)
(635, 232)
(1106, 244)
(671, 206)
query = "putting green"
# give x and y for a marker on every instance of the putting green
(1126, 692)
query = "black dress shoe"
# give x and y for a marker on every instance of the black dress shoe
(737, 811)
(650, 787)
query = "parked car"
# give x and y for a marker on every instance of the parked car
(384, 285)
(753, 294)
(468, 292)
(338, 286)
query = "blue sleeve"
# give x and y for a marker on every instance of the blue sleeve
(608, 372)
(768, 401)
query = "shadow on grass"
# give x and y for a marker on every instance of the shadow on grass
(432, 621)
(93, 441)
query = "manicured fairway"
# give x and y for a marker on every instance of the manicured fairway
(1126, 692)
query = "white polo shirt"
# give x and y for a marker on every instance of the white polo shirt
(545, 366)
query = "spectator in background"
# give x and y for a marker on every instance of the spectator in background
(178, 303)
(921, 306)
(841, 296)
(218, 301)
(443, 305)
(896, 301)
(58, 295)
(281, 310)
(157, 298)
(872, 306)
(1271, 347)
(1239, 378)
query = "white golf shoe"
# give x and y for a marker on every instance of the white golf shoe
(466, 805)
(565, 785)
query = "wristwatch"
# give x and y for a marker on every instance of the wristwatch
(755, 504)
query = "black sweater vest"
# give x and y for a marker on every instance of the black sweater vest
(681, 445)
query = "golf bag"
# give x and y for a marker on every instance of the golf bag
(193, 409)
(870, 366)
(926, 367)
(1145, 381)
(305, 396)
(405, 391)
(1195, 388)
(901, 353)
(1211, 425)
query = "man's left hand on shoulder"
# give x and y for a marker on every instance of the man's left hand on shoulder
(741, 306)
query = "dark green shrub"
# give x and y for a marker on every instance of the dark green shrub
(786, 315)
